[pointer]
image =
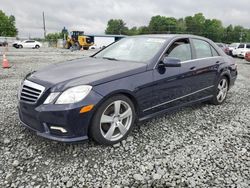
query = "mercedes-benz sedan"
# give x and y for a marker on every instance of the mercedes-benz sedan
(102, 96)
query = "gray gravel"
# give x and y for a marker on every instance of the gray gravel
(198, 146)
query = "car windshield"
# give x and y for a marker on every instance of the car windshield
(138, 49)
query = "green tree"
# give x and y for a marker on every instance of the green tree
(54, 36)
(213, 30)
(181, 26)
(116, 27)
(162, 24)
(143, 30)
(65, 33)
(7, 25)
(239, 33)
(228, 32)
(195, 24)
(133, 31)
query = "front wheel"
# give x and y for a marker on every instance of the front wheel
(37, 46)
(221, 91)
(113, 120)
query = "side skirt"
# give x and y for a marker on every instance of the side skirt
(162, 112)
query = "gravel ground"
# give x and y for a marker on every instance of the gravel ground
(198, 146)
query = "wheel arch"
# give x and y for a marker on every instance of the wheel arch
(126, 93)
(227, 75)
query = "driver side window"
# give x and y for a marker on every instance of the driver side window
(180, 49)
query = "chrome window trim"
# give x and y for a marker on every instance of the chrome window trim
(170, 43)
(199, 59)
(161, 104)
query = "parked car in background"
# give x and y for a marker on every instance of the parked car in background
(28, 44)
(3, 43)
(102, 96)
(94, 47)
(247, 56)
(233, 47)
(242, 49)
(15, 43)
(224, 47)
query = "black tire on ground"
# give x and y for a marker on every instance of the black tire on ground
(37, 46)
(85, 48)
(20, 46)
(97, 129)
(220, 95)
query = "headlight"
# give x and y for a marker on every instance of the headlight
(74, 94)
(51, 98)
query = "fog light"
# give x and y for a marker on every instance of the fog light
(58, 129)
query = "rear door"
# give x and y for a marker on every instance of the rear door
(29, 44)
(199, 75)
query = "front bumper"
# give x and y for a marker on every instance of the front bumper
(42, 118)
(242, 54)
(50, 136)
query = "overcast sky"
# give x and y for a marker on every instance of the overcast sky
(91, 16)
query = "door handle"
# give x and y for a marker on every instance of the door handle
(217, 62)
(192, 68)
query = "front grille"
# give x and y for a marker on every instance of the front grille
(31, 92)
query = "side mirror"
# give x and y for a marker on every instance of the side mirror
(170, 62)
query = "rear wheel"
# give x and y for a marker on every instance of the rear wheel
(113, 120)
(37, 46)
(221, 91)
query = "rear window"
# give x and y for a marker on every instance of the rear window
(248, 46)
(202, 48)
(214, 52)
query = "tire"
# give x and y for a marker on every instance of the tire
(221, 90)
(110, 126)
(37, 46)
(20, 46)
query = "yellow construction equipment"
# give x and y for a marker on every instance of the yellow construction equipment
(77, 40)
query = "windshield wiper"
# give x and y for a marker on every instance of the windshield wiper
(110, 58)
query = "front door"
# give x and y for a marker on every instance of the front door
(168, 87)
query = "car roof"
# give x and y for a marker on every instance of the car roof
(169, 36)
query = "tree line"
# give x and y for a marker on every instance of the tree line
(197, 25)
(7, 25)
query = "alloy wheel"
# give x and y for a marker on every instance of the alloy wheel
(116, 120)
(222, 90)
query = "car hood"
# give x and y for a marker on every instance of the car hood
(92, 71)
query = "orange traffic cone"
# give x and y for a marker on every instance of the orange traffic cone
(5, 64)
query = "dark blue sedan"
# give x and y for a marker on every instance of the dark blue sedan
(102, 96)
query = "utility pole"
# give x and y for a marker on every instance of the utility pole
(241, 36)
(44, 27)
